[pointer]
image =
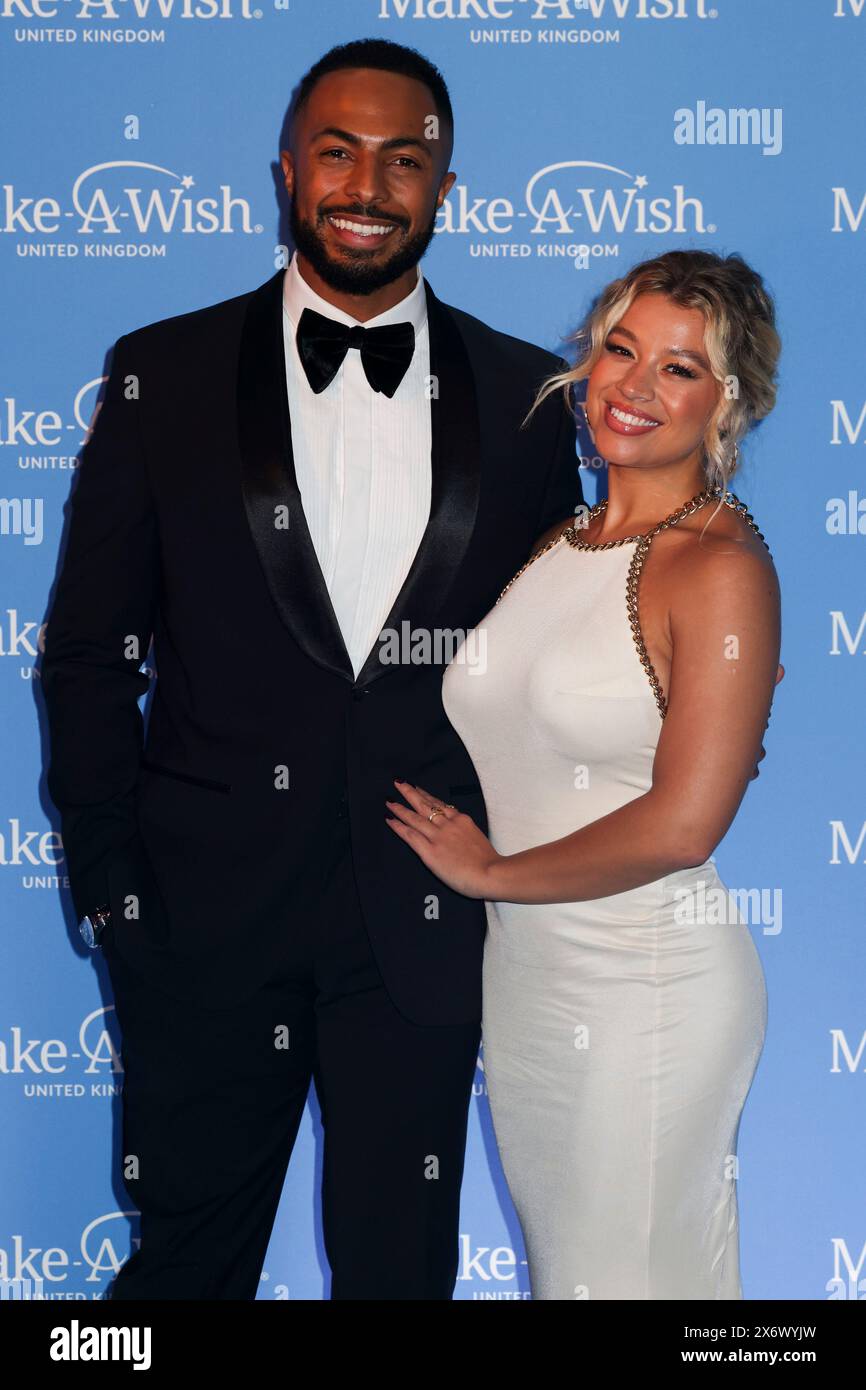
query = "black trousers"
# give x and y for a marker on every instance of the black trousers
(212, 1101)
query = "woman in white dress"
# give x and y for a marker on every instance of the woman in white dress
(616, 722)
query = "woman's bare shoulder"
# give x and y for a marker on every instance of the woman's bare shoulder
(709, 538)
(725, 565)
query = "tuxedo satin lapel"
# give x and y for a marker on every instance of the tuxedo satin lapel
(270, 487)
(455, 483)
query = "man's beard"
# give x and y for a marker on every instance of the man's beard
(360, 275)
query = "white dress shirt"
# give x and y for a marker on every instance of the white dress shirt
(362, 462)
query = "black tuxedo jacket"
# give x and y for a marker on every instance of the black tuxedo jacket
(187, 526)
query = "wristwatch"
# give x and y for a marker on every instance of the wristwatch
(93, 924)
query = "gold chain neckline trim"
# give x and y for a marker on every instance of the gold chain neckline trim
(694, 504)
(642, 544)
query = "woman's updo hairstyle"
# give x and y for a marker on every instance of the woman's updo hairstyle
(741, 341)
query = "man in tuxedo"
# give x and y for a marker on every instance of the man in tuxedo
(273, 485)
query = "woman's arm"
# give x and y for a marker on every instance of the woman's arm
(725, 625)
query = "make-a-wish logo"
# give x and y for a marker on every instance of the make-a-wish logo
(49, 440)
(847, 1281)
(845, 1057)
(107, 23)
(488, 1268)
(567, 210)
(54, 1067)
(34, 1272)
(21, 639)
(123, 208)
(847, 211)
(541, 13)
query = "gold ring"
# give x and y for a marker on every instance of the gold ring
(437, 811)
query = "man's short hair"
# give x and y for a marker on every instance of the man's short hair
(385, 56)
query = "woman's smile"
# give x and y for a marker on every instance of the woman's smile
(624, 419)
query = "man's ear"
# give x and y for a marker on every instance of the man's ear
(445, 187)
(288, 166)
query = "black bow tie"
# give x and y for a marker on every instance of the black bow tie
(385, 351)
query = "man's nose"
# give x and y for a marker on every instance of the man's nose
(366, 181)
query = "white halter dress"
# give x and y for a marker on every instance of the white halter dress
(621, 1035)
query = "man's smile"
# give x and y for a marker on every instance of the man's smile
(360, 231)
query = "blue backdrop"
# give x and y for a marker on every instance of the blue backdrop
(138, 182)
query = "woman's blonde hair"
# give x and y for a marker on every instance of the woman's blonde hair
(741, 341)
